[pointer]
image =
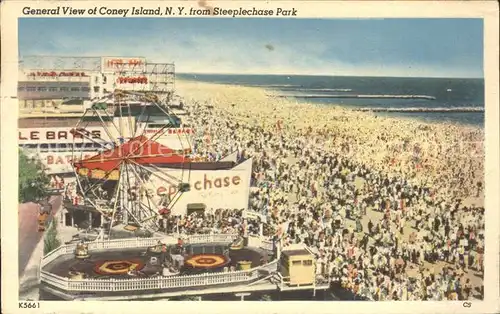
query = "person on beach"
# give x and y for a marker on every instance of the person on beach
(409, 180)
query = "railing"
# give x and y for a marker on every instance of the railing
(155, 283)
(123, 243)
(57, 281)
(149, 283)
(146, 242)
(161, 282)
(270, 267)
(210, 238)
(99, 245)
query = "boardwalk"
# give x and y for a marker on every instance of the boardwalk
(28, 230)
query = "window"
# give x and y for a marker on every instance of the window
(307, 263)
(41, 89)
(20, 88)
(96, 89)
(85, 89)
(296, 263)
(97, 79)
(63, 89)
(53, 89)
(104, 79)
(31, 89)
(75, 89)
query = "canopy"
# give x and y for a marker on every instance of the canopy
(139, 150)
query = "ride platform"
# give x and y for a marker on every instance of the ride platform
(117, 262)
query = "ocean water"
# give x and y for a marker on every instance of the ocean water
(448, 92)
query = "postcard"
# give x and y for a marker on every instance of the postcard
(300, 153)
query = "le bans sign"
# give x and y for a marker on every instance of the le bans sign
(56, 134)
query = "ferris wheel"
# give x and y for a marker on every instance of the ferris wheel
(131, 163)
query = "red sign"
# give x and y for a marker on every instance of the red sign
(113, 62)
(172, 131)
(132, 80)
(55, 74)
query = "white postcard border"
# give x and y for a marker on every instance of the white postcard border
(11, 11)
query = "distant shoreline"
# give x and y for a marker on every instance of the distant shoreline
(254, 106)
(342, 108)
(355, 96)
(422, 109)
(324, 75)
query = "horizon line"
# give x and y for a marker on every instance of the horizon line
(326, 75)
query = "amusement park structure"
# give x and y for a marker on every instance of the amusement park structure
(113, 182)
(98, 270)
(125, 136)
(56, 77)
(140, 167)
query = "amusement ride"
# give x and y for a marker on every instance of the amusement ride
(138, 155)
(132, 167)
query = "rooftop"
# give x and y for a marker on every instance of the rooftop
(296, 252)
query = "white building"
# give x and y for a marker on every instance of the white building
(49, 81)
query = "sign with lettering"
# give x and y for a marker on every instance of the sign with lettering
(170, 131)
(215, 188)
(112, 64)
(57, 74)
(53, 146)
(62, 135)
(132, 80)
(175, 138)
(57, 163)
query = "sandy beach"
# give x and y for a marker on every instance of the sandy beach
(448, 153)
(410, 189)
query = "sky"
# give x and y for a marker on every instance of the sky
(358, 47)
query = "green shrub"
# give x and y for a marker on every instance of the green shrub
(51, 241)
(32, 179)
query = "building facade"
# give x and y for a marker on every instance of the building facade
(46, 82)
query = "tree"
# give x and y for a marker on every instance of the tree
(32, 179)
(51, 241)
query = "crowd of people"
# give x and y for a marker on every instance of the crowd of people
(228, 221)
(392, 208)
